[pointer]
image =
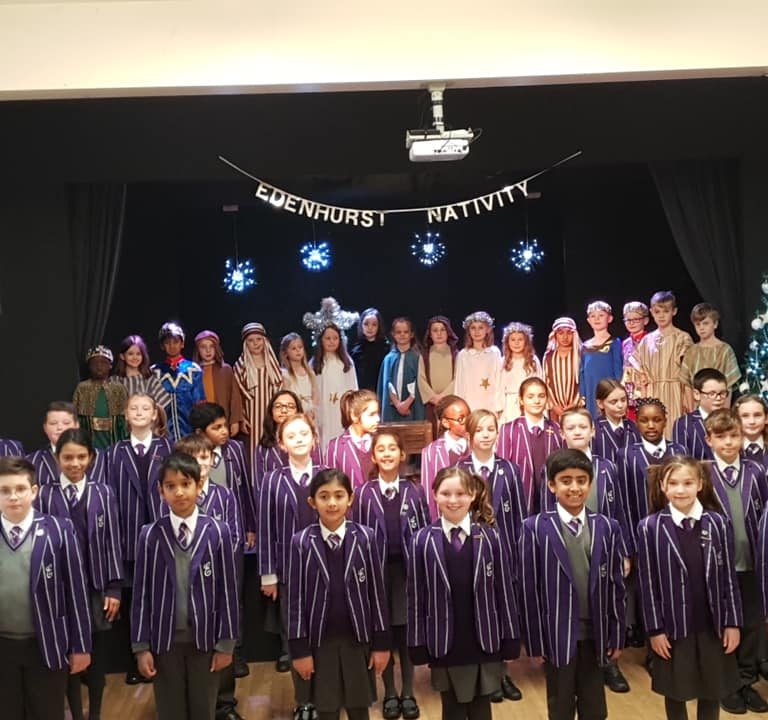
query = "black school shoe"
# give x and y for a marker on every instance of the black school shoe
(497, 697)
(734, 704)
(390, 708)
(305, 712)
(283, 664)
(762, 668)
(614, 678)
(409, 707)
(754, 700)
(509, 689)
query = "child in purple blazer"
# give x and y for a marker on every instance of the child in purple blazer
(710, 392)
(45, 621)
(613, 429)
(742, 492)
(529, 439)
(505, 488)
(690, 598)
(462, 609)
(185, 617)
(338, 625)
(394, 508)
(92, 509)
(451, 413)
(572, 586)
(751, 410)
(284, 510)
(350, 452)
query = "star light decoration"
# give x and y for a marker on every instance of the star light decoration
(428, 250)
(756, 365)
(238, 275)
(315, 256)
(330, 312)
(526, 255)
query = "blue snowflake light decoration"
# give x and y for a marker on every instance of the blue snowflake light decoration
(428, 250)
(238, 276)
(315, 257)
(526, 255)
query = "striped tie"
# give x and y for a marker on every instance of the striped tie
(484, 472)
(536, 431)
(753, 449)
(304, 480)
(688, 524)
(389, 493)
(71, 495)
(456, 541)
(15, 536)
(620, 433)
(140, 449)
(575, 527)
(201, 498)
(334, 542)
(183, 534)
(730, 476)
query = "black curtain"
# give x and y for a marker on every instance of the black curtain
(699, 199)
(96, 217)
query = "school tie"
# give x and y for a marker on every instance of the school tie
(389, 493)
(456, 541)
(334, 542)
(619, 432)
(71, 495)
(753, 449)
(216, 460)
(15, 536)
(484, 472)
(730, 475)
(658, 453)
(365, 443)
(688, 524)
(536, 431)
(201, 498)
(574, 526)
(183, 534)
(140, 449)
(304, 480)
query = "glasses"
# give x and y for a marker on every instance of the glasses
(284, 406)
(461, 420)
(633, 319)
(19, 491)
(715, 394)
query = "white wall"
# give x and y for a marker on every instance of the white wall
(150, 47)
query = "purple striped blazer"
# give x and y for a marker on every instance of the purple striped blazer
(368, 510)
(508, 504)
(61, 607)
(515, 445)
(761, 561)
(633, 465)
(430, 611)
(308, 593)
(105, 553)
(136, 501)
(344, 455)
(663, 576)
(550, 613)
(606, 445)
(754, 496)
(240, 482)
(268, 459)
(435, 457)
(609, 500)
(212, 601)
(11, 448)
(47, 469)
(761, 457)
(689, 432)
(278, 522)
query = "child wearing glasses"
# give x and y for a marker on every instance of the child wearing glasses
(710, 393)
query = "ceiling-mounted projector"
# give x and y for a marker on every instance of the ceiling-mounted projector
(437, 144)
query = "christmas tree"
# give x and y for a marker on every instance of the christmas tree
(756, 370)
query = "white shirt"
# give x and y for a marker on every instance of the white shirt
(721, 465)
(566, 517)
(204, 491)
(465, 525)
(296, 473)
(651, 449)
(191, 523)
(341, 531)
(217, 457)
(383, 485)
(704, 414)
(24, 524)
(694, 514)
(456, 445)
(530, 425)
(80, 486)
(146, 443)
(477, 465)
(612, 426)
(759, 442)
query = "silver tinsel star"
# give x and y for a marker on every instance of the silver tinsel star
(330, 312)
